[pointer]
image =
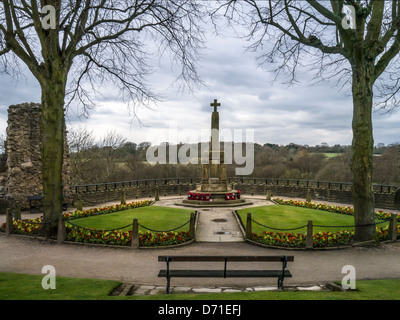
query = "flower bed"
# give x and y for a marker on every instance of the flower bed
(208, 197)
(383, 232)
(282, 239)
(30, 226)
(317, 206)
(124, 238)
(77, 214)
(320, 239)
(26, 226)
(232, 195)
(199, 196)
(114, 237)
(330, 208)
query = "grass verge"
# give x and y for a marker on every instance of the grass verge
(15, 286)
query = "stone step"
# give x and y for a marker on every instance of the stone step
(146, 289)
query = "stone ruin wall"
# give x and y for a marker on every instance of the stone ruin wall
(3, 174)
(23, 168)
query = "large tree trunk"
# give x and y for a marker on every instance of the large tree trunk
(52, 126)
(362, 158)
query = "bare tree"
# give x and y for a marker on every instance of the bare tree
(109, 158)
(356, 41)
(81, 144)
(75, 47)
(112, 140)
(79, 139)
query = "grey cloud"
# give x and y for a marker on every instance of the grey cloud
(302, 113)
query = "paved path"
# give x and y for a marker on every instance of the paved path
(23, 255)
(141, 266)
(217, 224)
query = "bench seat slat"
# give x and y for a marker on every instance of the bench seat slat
(220, 273)
(222, 258)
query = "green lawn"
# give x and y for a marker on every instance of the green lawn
(328, 155)
(331, 155)
(15, 286)
(287, 217)
(28, 287)
(153, 217)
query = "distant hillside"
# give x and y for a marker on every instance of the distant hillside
(118, 160)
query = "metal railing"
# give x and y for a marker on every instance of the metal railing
(332, 185)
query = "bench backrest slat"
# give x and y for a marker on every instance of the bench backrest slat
(225, 258)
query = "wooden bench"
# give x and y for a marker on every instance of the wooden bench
(35, 203)
(281, 274)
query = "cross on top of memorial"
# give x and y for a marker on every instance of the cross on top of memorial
(215, 104)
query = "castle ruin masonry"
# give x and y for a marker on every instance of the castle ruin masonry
(21, 171)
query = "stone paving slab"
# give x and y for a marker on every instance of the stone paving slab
(217, 224)
(157, 289)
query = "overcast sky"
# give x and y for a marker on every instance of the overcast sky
(302, 114)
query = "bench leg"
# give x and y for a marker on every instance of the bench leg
(168, 276)
(168, 291)
(280, 283)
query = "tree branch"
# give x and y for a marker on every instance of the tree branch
(325, 12)
(375, 23)
(11, 42)
(387, 57)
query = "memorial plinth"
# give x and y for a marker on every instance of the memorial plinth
(214, 191)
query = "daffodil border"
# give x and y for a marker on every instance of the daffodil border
(110, 237)
(320, 239)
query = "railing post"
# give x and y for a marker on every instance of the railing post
(135, 234)
(9, 222)
(268, 196)
(62, 232)
(248, 227)
(309, 235)
(123, 197)
(192, 225)
(308, 196)
(18, 211)
(79, 204)
(393, 227)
